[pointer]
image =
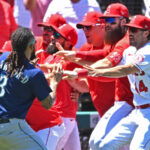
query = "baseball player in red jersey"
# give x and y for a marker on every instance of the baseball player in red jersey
(67, 108)
(8, 24)
(94, 29)
(50, 127)
(116, 15)
(43, 41)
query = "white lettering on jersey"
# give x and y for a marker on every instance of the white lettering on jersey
(3, 82)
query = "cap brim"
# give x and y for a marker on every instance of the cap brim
(133, 26)
(109, 16)
(58, 30)
(82, 24)
(43, 24)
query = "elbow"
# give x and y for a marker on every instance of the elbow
(47, 103)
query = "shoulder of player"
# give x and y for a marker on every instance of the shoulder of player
(124, 42)
(32, 71)
(4, 56)
(145, 49)
(130, 51)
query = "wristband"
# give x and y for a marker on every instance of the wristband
(82, 73)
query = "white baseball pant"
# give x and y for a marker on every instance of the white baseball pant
(133, 130)
(73, 143)
(18, 135)
(120, 110)
(71, 133)
(51, 136)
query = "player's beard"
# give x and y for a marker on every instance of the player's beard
(113, 36)
(52, 49)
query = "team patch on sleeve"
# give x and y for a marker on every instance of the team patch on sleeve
(115, 58)
(139, 58)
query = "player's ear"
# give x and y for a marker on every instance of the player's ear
(123, 21)
(146, 33)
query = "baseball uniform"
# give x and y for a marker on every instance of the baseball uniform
(99, 90)
(123, 95)
(17, 94)
(50, 128)
(134, 129)
(66, 107)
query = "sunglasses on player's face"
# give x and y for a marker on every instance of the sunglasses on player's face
(32, 42)
(135, 30)
(110, 20)
(56, 35)
(87, 28)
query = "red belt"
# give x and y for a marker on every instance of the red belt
(142, 106)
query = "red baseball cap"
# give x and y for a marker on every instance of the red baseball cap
(116, 10)
(91, 18)
(139, 21)
(68, 32)
(54, 20)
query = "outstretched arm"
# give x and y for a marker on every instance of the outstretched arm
(100, 64)
(114, 72)
(54, 77)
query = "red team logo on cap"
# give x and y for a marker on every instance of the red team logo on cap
(107, 10)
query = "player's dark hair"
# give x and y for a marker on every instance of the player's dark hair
(19, 40)
(127, 19)
(148, 37)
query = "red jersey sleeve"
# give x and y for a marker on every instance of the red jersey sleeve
(67, 65)
(116, 55)
(103, 79)
(92, 55)
(84, 73)
(7, 22)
